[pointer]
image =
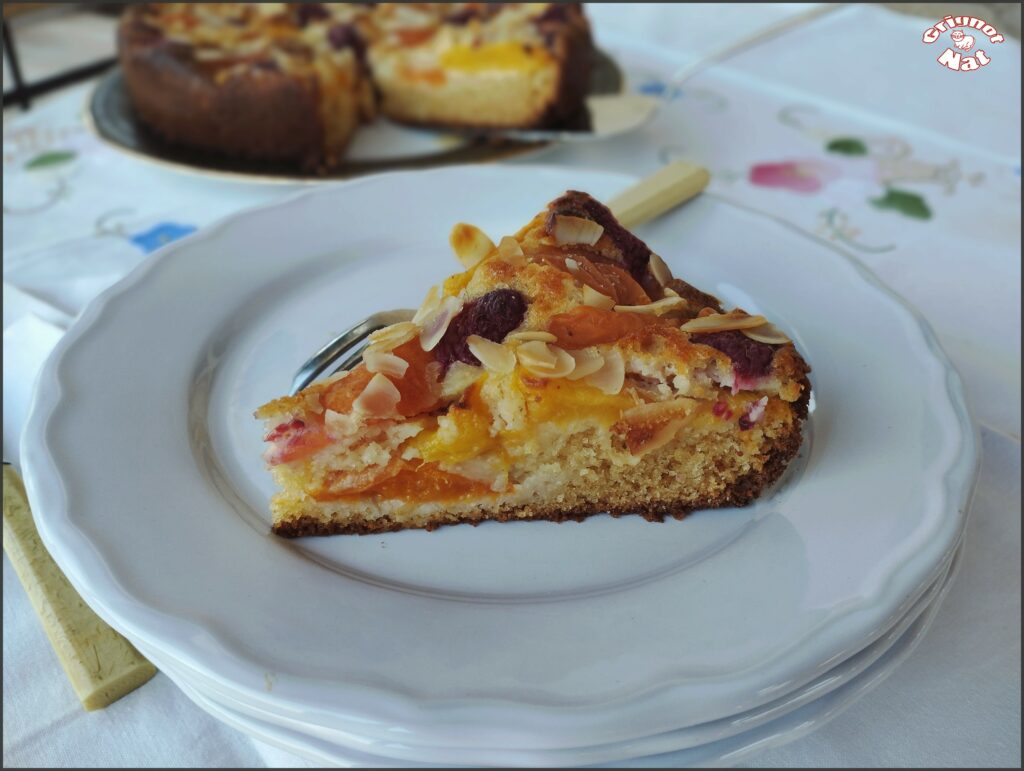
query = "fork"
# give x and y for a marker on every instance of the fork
(613, 114)
(647, 199)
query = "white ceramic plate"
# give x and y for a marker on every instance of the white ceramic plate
(746, 735)
(350, 749)
(142, 465)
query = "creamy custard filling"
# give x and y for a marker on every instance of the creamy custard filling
(472, 449)
(506, 55)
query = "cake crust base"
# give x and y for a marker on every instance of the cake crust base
(742, 492)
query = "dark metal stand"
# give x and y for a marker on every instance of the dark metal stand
(19, 94)
(23, 93)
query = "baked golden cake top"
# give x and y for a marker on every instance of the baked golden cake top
(471, 36)
(225, 38)
(572, 315)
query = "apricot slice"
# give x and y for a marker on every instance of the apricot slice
(584, 326)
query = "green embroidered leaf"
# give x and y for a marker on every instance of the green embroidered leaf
(52, 158)
(906, 203)
(847, 146)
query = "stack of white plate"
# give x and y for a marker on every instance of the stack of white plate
(608, 641)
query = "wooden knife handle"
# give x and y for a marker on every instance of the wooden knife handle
(101, 664)
(654, 195)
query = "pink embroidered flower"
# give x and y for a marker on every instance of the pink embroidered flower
(800, 176)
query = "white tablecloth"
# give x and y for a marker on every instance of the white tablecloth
(845, 127)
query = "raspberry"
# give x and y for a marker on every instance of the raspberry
(492, 316)
(636, 255)
(347, 36)
(307, 12)
(556, 12)
(462, 17)
(284, 429)
(721, 410)
(749, 357)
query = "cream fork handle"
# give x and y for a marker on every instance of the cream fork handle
(652, 196)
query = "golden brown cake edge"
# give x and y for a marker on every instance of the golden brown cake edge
(742, 492)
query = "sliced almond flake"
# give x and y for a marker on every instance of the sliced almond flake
(767, 333)
(537, 353)
(612, 374)
(436, 322)
(460, 376)
(432, 300)
(572, 265)
(389, 338)
(378, 399)
(657, 308)
(500, 483)
(270, 9)
(340, 425)
(588, 361)
(656, 412)
(176, 37)
(470, 244)
(385, 363)
(659, 438)
(681, 384)
(311, 401)
(488, 470)
(660, 270)
(528, 335)
(494, 356)
(510, 250)
(433, 374)
(723, 322)
(595, 299)
(210, 54)
(756, 410)
(248, 47)
(565, 364)
(545, 360)
(409, 16)
(576, 230)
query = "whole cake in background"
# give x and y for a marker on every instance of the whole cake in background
(565, 372)
(293, 82)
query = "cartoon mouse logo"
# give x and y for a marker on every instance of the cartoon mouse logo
(962, 41)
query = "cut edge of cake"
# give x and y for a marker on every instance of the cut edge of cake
(198, 79)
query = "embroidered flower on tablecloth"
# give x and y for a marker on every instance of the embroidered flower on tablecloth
(858, 173)
(884, 165)
(805, 175)
(34, 181)
(51, 158)
(160, 234)
(113, 223)
(652, 85)
(656, 85)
